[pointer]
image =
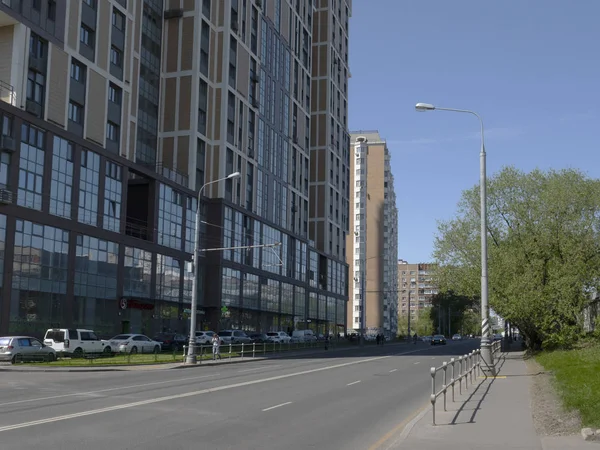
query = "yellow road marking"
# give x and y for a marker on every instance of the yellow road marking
(497, 377)
(397, 428)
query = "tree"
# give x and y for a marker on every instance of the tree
(543, 248)
(448, 304)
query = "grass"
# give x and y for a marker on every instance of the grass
(177, 357)
(577, 377)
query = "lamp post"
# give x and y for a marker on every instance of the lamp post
(191, 354)
(486, 348)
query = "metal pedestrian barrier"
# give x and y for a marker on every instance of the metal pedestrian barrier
(466, 368)
(496, 347)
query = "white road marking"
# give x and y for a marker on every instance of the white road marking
(91, 393)
(277, 406)
(151, 401)
(258, 368)
(418, 362)
(354, 382)
(393, 370)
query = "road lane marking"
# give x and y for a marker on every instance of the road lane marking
(354, 382)
(83, 394)
(258, 368)
(418, 362)
(277, 406)
(151, 401)
(393, 370)
(178, 396)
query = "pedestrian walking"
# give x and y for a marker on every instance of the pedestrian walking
(377, 338)
(216, 344)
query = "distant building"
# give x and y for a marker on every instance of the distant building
(373, 242)
(415, 280)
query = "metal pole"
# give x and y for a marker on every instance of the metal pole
(449, 323)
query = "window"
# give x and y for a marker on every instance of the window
(114, 94)
(112, 131)
(36, 83)
(113, 187)
(31, 165)
(170, 217)
(116, 56)
(52, 10)
(90, 3)
(88, 187)
(36, 5)
(62, 178)
(37, 46)
(137, 272)
(168, 274)
(75, 113)
(86, 36)
(202, 102)
(118, 20)
(77, 71)
(96, 266)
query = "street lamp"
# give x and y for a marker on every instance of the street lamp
(191, 354)
(486, 348)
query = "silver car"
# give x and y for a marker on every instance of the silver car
(24, 348)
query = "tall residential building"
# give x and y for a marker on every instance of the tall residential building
(373, 243)
(415, 281)
(115, 114)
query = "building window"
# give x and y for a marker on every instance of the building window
(96, 266)
(114, 94)
(230, 288)
(4, 170)
(251, 291)
(113, 188)
(170, 217)
(86, 36)
(232, 234)
(206, 8)
(202, 106)
(204, 47)
(31, 165)
(118, 20)
(39, 282)
(200, 164)
(112, 132)
(62, 178)
(90, 3)
(168, 274)
(52, 10)
(37, 46)
(75, 113)
(190, 224)
(36, 86)
(88, 188)
(137, 272)
(77, 71)
(36, 5)
(116, 56)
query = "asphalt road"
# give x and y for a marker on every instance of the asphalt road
(333, 400)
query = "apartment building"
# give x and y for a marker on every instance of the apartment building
(415, 286)
(373, 244)
(115, 114)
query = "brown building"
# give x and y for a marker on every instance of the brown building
(115, 114)
(415, 280)
(373, 243)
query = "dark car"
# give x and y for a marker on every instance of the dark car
(438, 339)
(259, 338)
(171, 341)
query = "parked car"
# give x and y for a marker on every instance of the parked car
(497, 337)
(279, 337)
(259, 338)
(438, 339)
(303, 336)
(204, 337)
(24, 348)
(426, 338)
(457, 337)
(171, 341)
(134, 343)
(234, 337)
(75, 342)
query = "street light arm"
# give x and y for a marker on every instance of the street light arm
(467, 111)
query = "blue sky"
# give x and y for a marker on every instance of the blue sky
(531, 68)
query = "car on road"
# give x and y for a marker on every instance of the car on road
(171, 341)
(234, 337)
(25, 348)
(259, 338)
(279, 337)
(75, 342)
(438, 339)
(457, 337)
(134, 343)
(426, 339)
(303, 336)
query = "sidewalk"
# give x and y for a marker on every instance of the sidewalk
(494, 413)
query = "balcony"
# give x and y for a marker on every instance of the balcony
(7, 92)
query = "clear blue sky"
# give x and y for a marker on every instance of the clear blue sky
(530, 68)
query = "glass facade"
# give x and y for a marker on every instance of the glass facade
(39, 280)
(88, 187)
(168, 276)
(113, 190)
(62, 178)
(170, 217)
(138, 272)
(31, 167)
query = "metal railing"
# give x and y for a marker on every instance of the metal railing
(469, 366)
(496, 347)
(229, 351)
(7, 93)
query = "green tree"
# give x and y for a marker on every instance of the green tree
(543, 246)
(449, 304)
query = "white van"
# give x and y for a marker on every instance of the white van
(75, 342)
(303, 336)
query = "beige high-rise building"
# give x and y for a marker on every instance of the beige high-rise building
(415, 284)
(116, 113)
(373, 241)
